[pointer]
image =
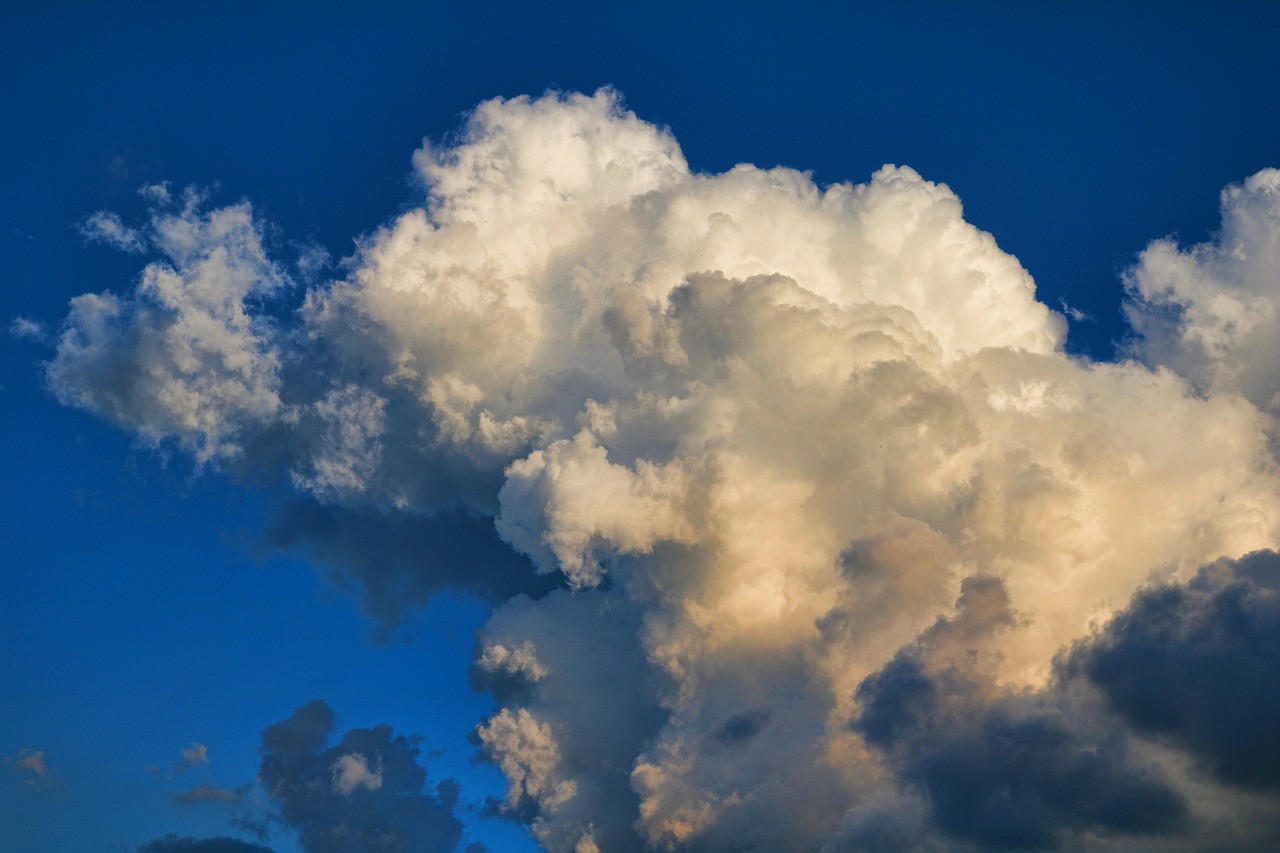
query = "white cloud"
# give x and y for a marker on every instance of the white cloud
(521, 660)
(347, 450)
(1212, 312)
(181, 357)
(557, 502)
(765, 429)
(527, 752)
(106, 227)
(23, 328)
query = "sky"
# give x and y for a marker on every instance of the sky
(621, 427)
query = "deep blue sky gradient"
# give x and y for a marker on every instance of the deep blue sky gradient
(139, 614)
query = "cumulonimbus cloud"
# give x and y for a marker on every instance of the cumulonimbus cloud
(765, 435)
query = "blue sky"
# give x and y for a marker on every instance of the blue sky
(142, 611)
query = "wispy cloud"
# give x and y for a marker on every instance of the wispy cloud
(192, 756)
(107, 228)
(30, 764)
(23, 328)
(209, 794)
(1074, 313)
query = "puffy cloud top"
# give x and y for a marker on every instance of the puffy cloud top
(766, 433)
(1212, 312)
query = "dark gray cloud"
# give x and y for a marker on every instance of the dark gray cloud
(177, 844)
(365, 794)
(1004, 770)
(1199, 664)
(1194, 666)
(743, 726)
(396, 560)
(1019, 775)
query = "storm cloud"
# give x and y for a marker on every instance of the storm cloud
(1006, 769)
(1199, 664)
(367, 792)
(788, 496)
(179, 844)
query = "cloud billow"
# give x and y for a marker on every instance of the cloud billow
(1005, 769)
(1212, 311)
(725, 450)
(365, 793)
(1199, 664)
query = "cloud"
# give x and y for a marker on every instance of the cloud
(1006, 770)
(575, 714)
(30, 764)
(365, 793)
(352, 771)
(1188, 666)
(194, 755)
(208, 794)
(1075, 314)
(178, 844)
(397, 559)
(23, 328)
(180, 357)
(1199, 664)
(1212, 311)
(107, 228)
(724, 450)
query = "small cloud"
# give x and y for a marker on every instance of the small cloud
(208, 794)
(314, 787)
(107, 228)
(197, 753)
(193, 756)
(28, 330)
(313, 260)
(1074, 313)
(31, 765)
(155, 193)
(351, 771)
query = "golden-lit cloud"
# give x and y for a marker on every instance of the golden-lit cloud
(791, 451)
